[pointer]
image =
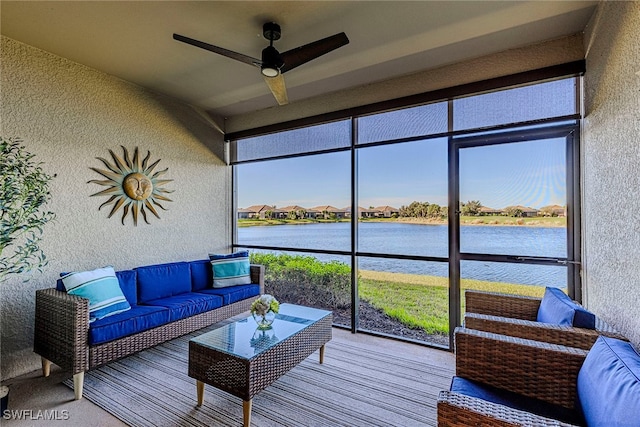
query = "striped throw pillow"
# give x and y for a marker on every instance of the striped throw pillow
(101, 288)
(230, 270)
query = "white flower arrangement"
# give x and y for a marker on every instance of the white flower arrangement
(265, 304)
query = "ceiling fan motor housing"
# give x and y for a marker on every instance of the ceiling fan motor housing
(271, 58)
(271, 31)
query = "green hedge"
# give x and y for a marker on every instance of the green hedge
(304, 280)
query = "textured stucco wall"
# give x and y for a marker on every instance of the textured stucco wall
(68, 115)
(611, 166)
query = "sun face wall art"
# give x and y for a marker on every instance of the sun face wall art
(132, 185)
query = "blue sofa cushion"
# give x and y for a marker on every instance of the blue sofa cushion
(515, 401)
(201, 275)
(101, 288)
(557, 308)
(138, 319)
(187, 304)
(129, 285)
(609, 384)
(230, 270)
(163, 280)
(233, 294)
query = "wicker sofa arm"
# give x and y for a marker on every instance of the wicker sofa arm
(504, 305)
(62, 329)
(532, 330)
(535, 369)
(257, 275)
(456, 410)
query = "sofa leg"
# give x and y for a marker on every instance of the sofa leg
(46, 367)
(78, 383)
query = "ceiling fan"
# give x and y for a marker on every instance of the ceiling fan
(273, 63)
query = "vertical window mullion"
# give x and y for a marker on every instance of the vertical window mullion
(355, 301)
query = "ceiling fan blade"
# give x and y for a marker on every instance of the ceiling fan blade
(277, 87)
(219, 50)
(303, 54)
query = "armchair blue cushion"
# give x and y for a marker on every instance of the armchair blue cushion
(506, 398)
(609, 384)
(556, 307)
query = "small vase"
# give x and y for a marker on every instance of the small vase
(264, 321)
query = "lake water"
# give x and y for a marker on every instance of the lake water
(427, 240)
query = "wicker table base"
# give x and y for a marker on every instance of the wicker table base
(219, 357)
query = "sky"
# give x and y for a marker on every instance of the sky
(526, 173)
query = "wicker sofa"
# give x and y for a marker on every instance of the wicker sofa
(508, 381)
(166, 300)
(518, 316)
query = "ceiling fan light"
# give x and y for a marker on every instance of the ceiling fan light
(268, 71)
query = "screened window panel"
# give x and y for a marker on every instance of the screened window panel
(540, 101)
(311, 139)
(406, 181)
(410, 122)
(312, 190)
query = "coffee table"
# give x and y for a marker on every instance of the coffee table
(243, 360)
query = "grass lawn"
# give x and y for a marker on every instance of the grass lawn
(423, 301)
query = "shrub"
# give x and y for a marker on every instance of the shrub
(24, 192)
(304, 280)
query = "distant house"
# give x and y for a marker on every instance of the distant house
(299, 211)
(244, 213)
(328, 211)
(527, 212)
(484, 210)
(553, 210)
(257, 212)
(387, 211)
(362, 212)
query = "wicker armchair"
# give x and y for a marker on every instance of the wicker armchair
(515, 315)
(538, 370)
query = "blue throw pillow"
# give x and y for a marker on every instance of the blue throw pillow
(557, 308)
(609, 384)
(230, 270)
(101, 288)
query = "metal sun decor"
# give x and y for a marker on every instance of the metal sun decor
(132, 185)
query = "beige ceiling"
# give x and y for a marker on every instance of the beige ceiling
(133, 40)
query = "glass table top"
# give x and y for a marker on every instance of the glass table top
(243, 338)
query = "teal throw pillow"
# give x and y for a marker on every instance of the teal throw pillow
(101, 288)
(230, 270)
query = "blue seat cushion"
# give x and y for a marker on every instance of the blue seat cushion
(556, 307)
(513, 400)
(201, 275)
(233, 294)
(187, 304)
(609, 384)
(163, 280)
(138, 319)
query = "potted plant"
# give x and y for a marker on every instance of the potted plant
(24, 190)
